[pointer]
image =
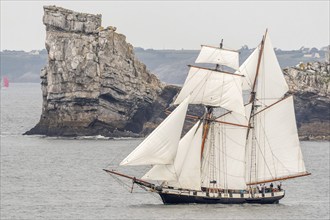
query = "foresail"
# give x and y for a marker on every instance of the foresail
(223, 162)
(277, 144)
(213, 88)
(185, 171)
(219, 56)
(161, 145)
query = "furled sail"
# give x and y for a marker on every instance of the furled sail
(209, 54)
(278, 153)
(271, 84)
(223, 162)
(213, 88)
(185, 171)
(161, 145)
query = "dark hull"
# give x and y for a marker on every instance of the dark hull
(183, 199)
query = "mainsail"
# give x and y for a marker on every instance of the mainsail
(278, 154)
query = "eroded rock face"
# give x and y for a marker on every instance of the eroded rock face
(310, 84)
(93, 84)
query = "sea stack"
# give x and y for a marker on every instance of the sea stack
(93, 84)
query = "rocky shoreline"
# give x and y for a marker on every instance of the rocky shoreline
(310, 85)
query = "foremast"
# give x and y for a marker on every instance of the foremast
(211, 88)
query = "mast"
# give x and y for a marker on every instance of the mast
(253, 154)
(272, 147)
(252, 98)
(209, 111)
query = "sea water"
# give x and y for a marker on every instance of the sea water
(62, 178)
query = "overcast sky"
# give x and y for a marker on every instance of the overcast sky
(180, 24)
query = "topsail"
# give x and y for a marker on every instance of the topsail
(214, 55)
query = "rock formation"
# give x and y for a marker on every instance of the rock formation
(310, 84)
(93, 84)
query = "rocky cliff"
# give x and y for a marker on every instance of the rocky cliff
(310, 85)
(93, 84)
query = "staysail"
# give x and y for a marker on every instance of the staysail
(161, 145)
(185, 170)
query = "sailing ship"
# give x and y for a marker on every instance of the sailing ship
(229, 157)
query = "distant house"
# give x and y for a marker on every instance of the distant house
(34, 52)
(312, 55)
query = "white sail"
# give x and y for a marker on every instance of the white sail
(248, 69)
(213, 88)
(185, 171)
(224, 154)
(271, 84)
(220, 56)
(161, 145)
(277, 144)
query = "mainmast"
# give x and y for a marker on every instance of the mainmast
(253, 154)
(270, 142)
